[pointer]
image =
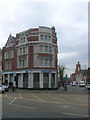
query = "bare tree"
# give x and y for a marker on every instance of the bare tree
(61, 72)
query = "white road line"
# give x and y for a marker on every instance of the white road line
(12, 101)
(76, 114)
(21, 106)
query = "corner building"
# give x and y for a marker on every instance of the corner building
(30, 59)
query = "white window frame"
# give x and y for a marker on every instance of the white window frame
(42, 61)
(41, 51)
(41, 37)
(22, 63)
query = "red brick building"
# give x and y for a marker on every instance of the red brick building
(30, 58)
(80, 74)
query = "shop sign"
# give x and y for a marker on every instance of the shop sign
(44, 71)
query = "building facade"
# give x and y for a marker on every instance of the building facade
(30, 58)
(80, 74)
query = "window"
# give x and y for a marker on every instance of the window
(46, 62)
(24, 50)
(50, 49)
(46, 49)
(8, 54)
(40, 61)
(21, 40)
(50, 62)
(24, 39)
(41, 37)
(41, 48)
(22, 63)
(8, 65)
(20, 51)
(45, 77)
(53, 77)
(45, 37)
(36, 77)
(49, 38)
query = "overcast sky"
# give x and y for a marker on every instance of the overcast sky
(69, 18)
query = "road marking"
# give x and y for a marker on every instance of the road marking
(41, 100)
(20, 96)
(65, 106)
(76, 114)
(38, 98)
(67, 102)
(55, 98)
(22, 106)
(6, 95)
(12, 101)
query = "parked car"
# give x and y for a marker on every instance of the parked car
(2, 90)
(81, 84)
(87, 86)
(74, 83)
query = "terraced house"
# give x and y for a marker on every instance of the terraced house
(30, 58)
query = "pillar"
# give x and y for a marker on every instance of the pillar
(20, 80)
(41, 80)
(49, 80)
(55, 79)
(29, 80)
(8, 78)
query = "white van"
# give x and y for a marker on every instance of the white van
(81, 84)
(74, 83)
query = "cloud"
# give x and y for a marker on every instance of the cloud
(69, 18)
(66, 55)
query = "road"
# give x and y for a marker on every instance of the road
(46, 103)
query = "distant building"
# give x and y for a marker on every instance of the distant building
(30, 58)
(80, 74)
(72, 77)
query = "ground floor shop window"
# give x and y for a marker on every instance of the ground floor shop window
(53, 80)
(46, 80)
(36, 80)
(25, 80)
